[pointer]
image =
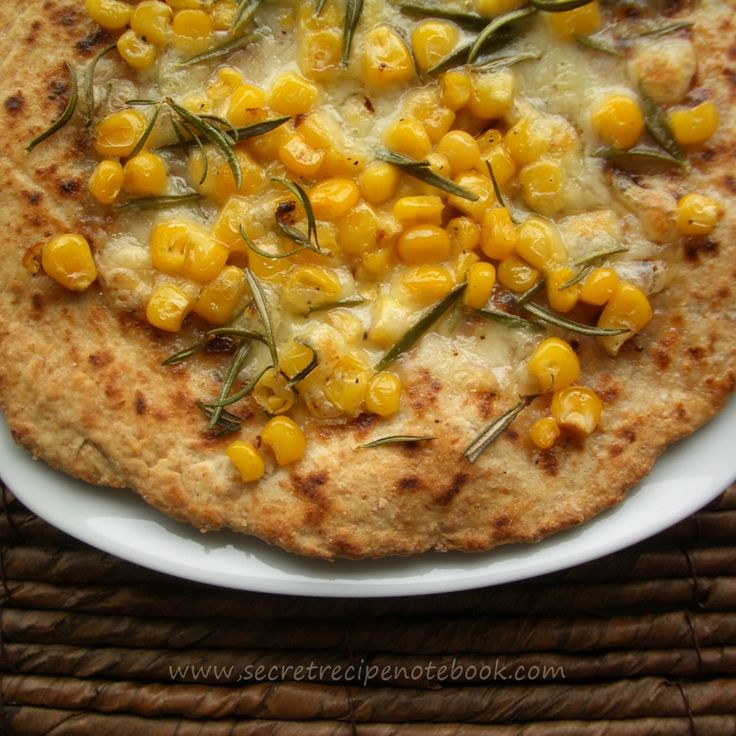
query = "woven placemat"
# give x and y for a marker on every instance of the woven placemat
(640, 642)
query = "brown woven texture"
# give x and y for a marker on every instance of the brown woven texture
(642, 642)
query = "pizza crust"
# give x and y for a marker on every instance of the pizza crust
(82, 386)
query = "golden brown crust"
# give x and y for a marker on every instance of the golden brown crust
(82, 386)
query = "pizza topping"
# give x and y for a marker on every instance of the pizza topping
(544, 432)
(110, 14)
(106, 181)
(65, 116)
(397, 439)
(554, 364)
(246, 459)
(68, 260)
(693, 126)
(286, 440)
(697, 214)
(576, 408)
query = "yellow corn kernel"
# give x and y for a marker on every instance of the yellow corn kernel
(294, 358)
(492, 94)
(106, 181)
(333, 198)
(424, 244)
(118, 133)
(455, 88)
(428, 283)
(577, 408)
(223, 14)
(544, 432)
(111, 14)
(308, 287)
(464, 234)
(272, 392)
(292, 94)
(618, 120)
(692, 126)
(265, 148)
(461, 150)
(598, 287)
(187, 4)
(440, 165)
(320, 53)
(236, 212)
(498, 236)
(151, 20)
(347, 385)
(481, 279)
(205, 257)
(562, 298)
(425, 209)
(383, 396)
(517, 275)
(541, 184)
(68, 260)
(432, 41)
(408, 136)
(358, 231)
(219, 299)
(244, 100)
(540, 244)
(299, 157)
(286, 440)
(219, 184)
(342, 163)
(463, 262)
(376, 264)
(488, 139)
(554, 364)
(167, 307)
(493, 8)
(145, 174)
(501, 162)
(135, 51)
(479, 185)
(378, 182)
(192, 29)
(437, 121)
(348, 324)
(385, 59)
(169, 241)
(577, 22)
(628, 309)
(246, 459)
(526, 141)
(698, 214)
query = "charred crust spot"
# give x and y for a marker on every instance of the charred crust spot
(485, 403)
(37, 301)
(628, 434)
(310, 485)
(512, 434)
(696, 353)
(33, 198)
(363, 422)
(609, 395)
(455, 487)
(615, 450)
(502, 522)
(67, 17)
(694, 247)
(680, 412)
(15, 103)
(140, 404)
(221, 344)
(423, 392)
(368, 105)
(729, 181)
(100, 360)
(408, 483)
(547, 460)
(57, 88)
(88, 43)
(70, 187)
(661, 357)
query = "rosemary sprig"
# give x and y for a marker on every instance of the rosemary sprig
(410, 337)
(227, 423)
(234, 398)
(223, 49)
(545, 315)
(594, 257)
(65, 116)
(640, 158)
(679, 25)
(158, 203)
(470, 21)
(576, 278)
(596, 44)
(319, 6)
(422, 170)
(304, 372)
(235, 367)
(500, 61)
(266, 254)
(246, 10)
(186, 353)
(147, 132)
(262, 306)
(89, 84)
(492, 29)
(265, 126)
(494, 430)
(530, 293)
(508, 320)
(559, 6)
(397, 439)
(658, 127)
(453, 59)
(353, 11)
(291, 232)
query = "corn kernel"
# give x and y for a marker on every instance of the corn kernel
(492, 94)
(111, 14)
(479, 185)
(432, 41)
(461, 150)
(204, 257)
(136, 51)
(246, 459)
(347, 385)
(167, 307)
(560, 297)
(308, 287)
(333, 198)
(286, 440)
(517, 275)
(237, 211)
(187, 4)
(501, 162)
(219, 184)
(291, 94)
(494, 8)
(118, 133)
(618, 120)
(628, 309)
(540, 244)
(419, 210)
(580, 21)
(68, 260)
(693, 126)
(378, 182)
(526, 141)
(498, 236)
(463, 262)
(456, 88)
(385, 60)
(377, 263)
(598, 286)
(295, 358)
(383, 396)
(191, 28)
(358, 231)
(464, 234)
(150, 20)
(428, 283)
(169, 246)
(299, 157)
(697, 214)
(265, 148)
(145, 174)
(272, 392)
(219, 299)
(424, 244)
(544, 432)
(436, 119)
(320, 53)
(106, 181)
(577, 408)
(223, 14)
(244, 100)
(554, 364)
(408, 136)
(481, 278)
(541, 185)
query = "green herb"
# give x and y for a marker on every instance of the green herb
(353, 11)
(423, 171)
(545, 315)
(410, 337)
(296, 235)
(223, 50)
(158, 203)
(262, 306)
(89, 84)
(227, 423)
(238, 332)
(433, 10)
(640, 159)
(659, 128)
(593, 257)
(246, 10)
(508, 320)
(596, 44)
(253, 131)
(65, 117)
(494, 430)
(235, 367)
(231, 131)
(202, 155)
(501, 61)
(147, 132)
(319, 6)
(304, 372)
(234, 398)
(456, 314)
(493, 27)
(186, 353)
(355, 301)
(679, 25)
(265, 254)
(397, 439)
(559, 6)
(581, 275)
(530, 293)
(456, 58)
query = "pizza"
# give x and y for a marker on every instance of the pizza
(366, 278)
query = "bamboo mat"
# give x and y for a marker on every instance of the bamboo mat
(641, 642)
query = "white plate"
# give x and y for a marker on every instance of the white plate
(686, 477)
